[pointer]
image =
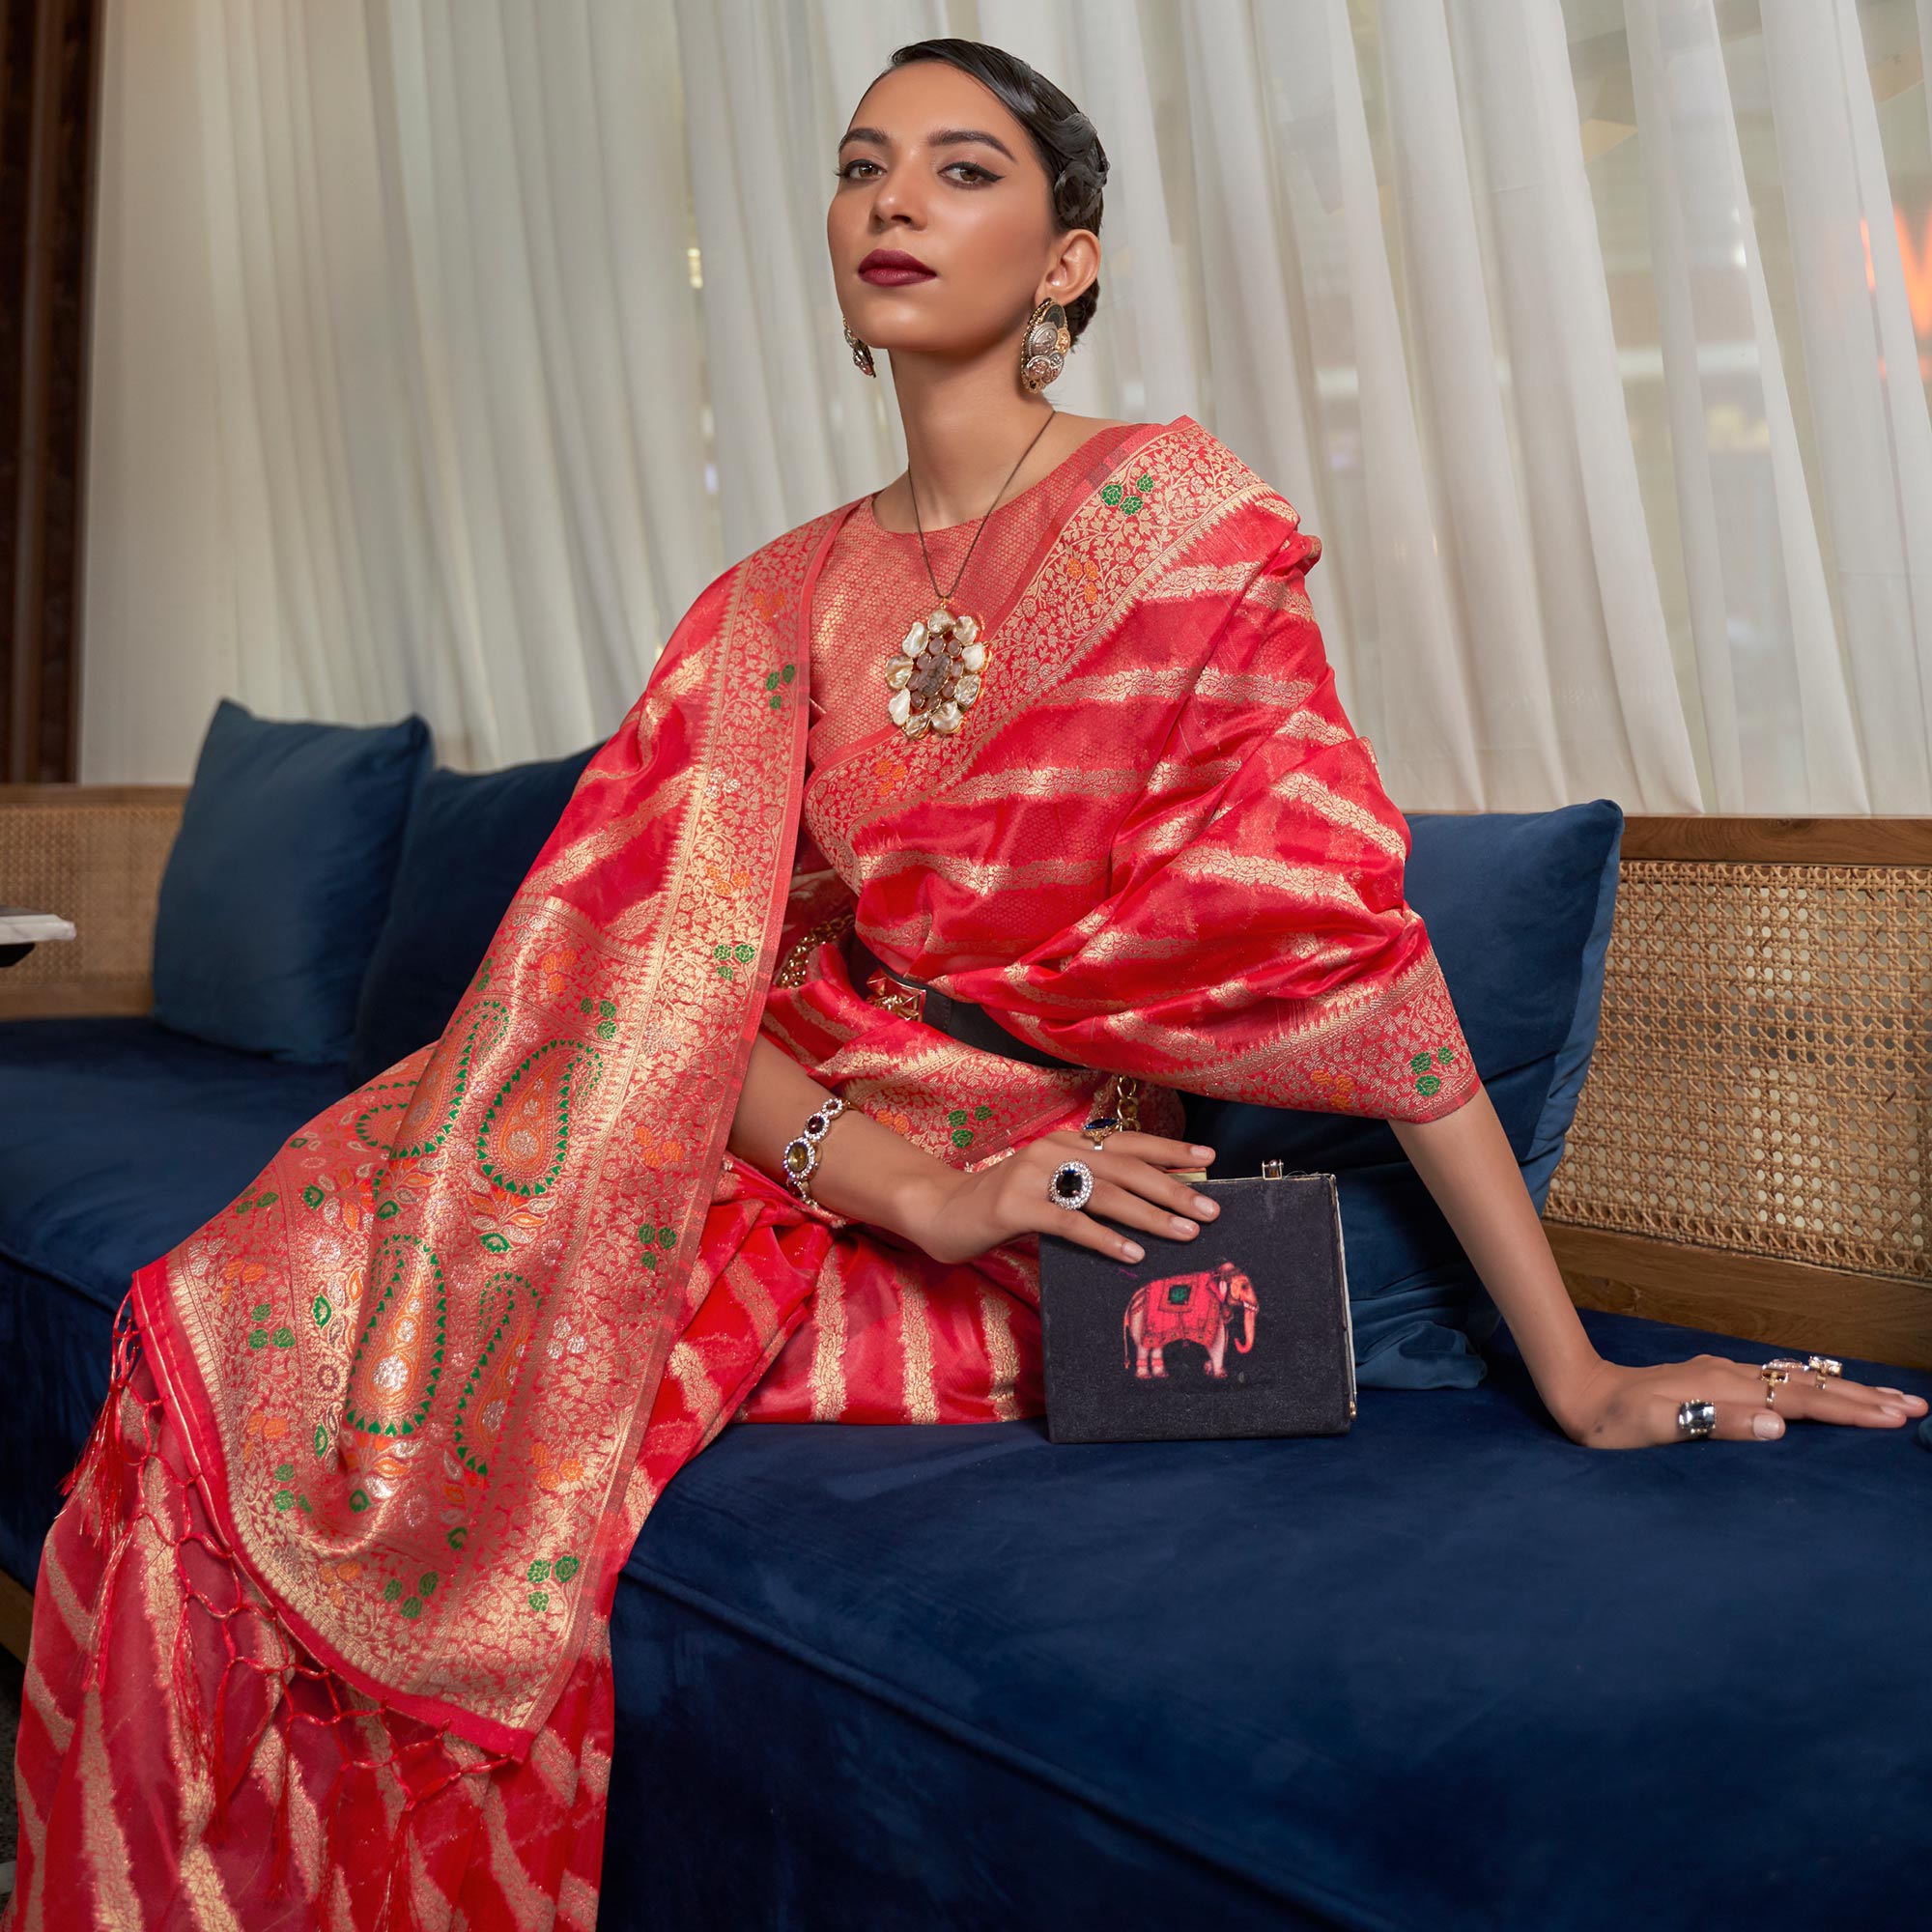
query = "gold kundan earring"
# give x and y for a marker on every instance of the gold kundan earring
(1043, 344)
(861, 353)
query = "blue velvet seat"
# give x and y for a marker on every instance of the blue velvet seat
(119, 1137)
(1447, 1671)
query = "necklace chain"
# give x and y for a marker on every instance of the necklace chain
(935, 675)
(946, 596)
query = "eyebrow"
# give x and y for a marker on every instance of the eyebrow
(940, 138)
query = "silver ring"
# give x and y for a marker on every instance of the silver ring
(1071, 1185)
(1696, 1419)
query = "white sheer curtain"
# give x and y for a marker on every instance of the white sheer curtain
(445, 349)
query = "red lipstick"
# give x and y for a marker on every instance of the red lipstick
(890, 268)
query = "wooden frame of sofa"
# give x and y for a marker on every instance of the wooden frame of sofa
(1717, 919)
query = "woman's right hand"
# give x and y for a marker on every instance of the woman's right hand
(964, 1214)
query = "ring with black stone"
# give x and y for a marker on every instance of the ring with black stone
(1071, 1185)
(1696, 1419)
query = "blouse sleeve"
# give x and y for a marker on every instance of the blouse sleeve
(1254, 944)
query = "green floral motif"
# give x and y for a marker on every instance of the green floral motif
(775, 683)
(1128, 498)
(256, 1201)
(728, 957)
(607, 1025)
(1427, 1082)
(654, 1237)
(458, 1536)
(320, 1310)
(258, 1333)
(393, 1589)
(956, 1119)
(548, 1569)
(313, 1196)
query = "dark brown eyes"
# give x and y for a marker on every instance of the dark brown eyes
(972, 167)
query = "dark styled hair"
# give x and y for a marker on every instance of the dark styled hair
(1065, 139)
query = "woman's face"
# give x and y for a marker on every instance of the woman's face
(933, 166)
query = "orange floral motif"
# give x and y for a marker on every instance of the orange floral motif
(1086, 576)
(552, 968)
(726, 885)
(556, 1475)
(1337, 1088)
(891, 773)
(239, 1272)
(335, 1577)
(654, 1150)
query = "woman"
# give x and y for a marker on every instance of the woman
(377, 1449)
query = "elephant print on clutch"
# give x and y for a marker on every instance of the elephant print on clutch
(1188, 1308)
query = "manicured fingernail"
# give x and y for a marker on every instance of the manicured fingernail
(1203, 1153)
(1203, 1206)
(1133, 1251)
(1181, 1227)
(1767, 1426)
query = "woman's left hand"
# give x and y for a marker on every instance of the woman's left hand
(1617, 1407)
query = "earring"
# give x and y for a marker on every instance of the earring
(1043, 344)
(861, 353)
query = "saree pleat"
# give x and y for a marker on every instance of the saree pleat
(381, 1435)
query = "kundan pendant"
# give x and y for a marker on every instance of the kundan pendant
(935, 679)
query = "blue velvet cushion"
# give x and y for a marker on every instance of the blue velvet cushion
(279, 879)
(1517, 906)
(471, 839)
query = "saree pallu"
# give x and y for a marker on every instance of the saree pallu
(382, 1433)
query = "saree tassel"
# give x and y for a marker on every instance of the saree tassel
(96, 1480)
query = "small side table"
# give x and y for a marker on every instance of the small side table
(21, 930)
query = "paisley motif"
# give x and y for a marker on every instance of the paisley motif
(430, 1110)
(485, 1401)
(526, 1131)
(399, 1361)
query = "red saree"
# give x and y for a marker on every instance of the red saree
(383, 1435)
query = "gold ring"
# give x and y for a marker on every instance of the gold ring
(1825, 1367)
(1775, 1375)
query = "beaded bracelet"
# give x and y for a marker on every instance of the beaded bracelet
(800, 1158)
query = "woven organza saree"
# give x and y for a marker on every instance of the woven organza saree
(426, 1374)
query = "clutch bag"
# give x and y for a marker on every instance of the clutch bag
(1242, 1330)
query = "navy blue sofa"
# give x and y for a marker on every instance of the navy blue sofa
(1447, 1671)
